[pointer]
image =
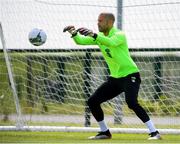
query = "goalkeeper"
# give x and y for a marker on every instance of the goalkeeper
(124, 74)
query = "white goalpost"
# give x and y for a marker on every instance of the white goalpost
(19, 121)
(46, 88)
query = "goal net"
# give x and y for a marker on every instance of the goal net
(46, 88)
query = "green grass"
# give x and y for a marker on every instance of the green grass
(75, 137)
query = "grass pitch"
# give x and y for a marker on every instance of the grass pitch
(78, 138)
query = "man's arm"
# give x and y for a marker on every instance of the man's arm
(114, 41)
(83, 40)
(117, 39)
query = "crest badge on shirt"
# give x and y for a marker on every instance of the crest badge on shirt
(108, 52)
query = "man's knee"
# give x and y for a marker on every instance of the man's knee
(92, 102)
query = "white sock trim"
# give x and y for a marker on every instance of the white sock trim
(103, 126)
(150, 126)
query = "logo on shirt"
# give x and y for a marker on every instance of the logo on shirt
(108, 52)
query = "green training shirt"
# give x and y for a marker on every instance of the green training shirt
(115, 51)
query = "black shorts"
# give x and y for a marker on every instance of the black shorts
(115, 86)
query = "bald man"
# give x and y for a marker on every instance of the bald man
(124, 73)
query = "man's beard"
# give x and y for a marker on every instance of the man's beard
(100, 29)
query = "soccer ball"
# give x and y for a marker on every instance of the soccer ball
(37, 37)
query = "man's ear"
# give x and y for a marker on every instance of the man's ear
(110, 23)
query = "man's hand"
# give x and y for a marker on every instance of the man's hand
(71, 30)
(85, 32)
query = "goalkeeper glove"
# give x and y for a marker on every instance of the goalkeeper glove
(71, 30)
(87, 32)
